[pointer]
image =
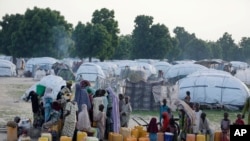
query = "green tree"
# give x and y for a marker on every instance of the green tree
(216, 50)
(229, 48)
(92, 40)
(141, 36)
(245, 46)
(40, 32)
(197, 49)
(183, 38)
(106, 18)
(174, 51)
(10, 25)
(123, 50)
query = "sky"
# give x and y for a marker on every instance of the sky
(207, 19)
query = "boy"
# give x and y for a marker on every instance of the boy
(101, 120)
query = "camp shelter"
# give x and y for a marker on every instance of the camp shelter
(176, 72)
(39, 63)
(141, 95)
(108, 68)
(52, 81)
(63, 70)
(243, 75)
(164, 66)
(239, 65)
(213, 87)
(90, 72)
(7, 68)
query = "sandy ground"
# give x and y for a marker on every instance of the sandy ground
(12, 88)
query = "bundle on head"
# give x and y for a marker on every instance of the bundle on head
(12, 124)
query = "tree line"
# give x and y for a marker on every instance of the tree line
(44, 32)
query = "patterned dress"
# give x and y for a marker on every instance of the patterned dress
(70, 120)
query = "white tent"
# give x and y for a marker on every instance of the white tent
(52, 81)
(39, 62)
(239, 65)
(108, 68)
(183, 70)
(90, 72)
(164, 66)
(213, 87)
(7, 68)
(243, 75)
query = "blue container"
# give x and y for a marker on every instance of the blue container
(168, 136)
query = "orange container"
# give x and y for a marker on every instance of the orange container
(81, 135)
(43, 139)
(47, 135)
(131, 139)
(160, 136)
(144, 139)
(110, 138)
(117, 137)
(135, 133)
(217, 136)
(11, 134)
(200, 137)
(65, 138)
(190, 137)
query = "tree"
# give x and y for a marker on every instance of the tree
(106, 17)
(229, 48)
(123, 50)
(216, 50)
(183, 38)
(92, 40)
(40, 32)
(245, 46)
(202, 51)
(141, 36)
(9, 26)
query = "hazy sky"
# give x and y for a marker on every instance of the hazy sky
(208, 19)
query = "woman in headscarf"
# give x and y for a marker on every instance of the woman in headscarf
(83, 123)
(47, 101)
(54, 116)
(81, 97)
(165, 122)
(113, 111)
(152, 129)
(70, 113)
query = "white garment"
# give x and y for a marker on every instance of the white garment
(197, 121)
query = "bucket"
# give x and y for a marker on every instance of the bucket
(168, 136)
(40, 89)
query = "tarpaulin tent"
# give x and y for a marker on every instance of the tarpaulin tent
(164, 66)
(52, 81)
(213, 87)
(90, 72)
(7, 68)
(243, 75)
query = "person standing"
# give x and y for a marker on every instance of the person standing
(35, 106)
(101, 120)
(81, 97)
(204, 126)
(197, 112)
(125, 113)
(152, 129)
(187, 99)
(70, 113)
(225, 127)
(121, 104)
(163, 108)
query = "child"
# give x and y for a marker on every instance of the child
(101, 120)
(239, 120)
(204, 126)
(153, 129)
(173, 129)
(225, 126)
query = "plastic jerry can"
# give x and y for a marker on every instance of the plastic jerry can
(217, 136)
(43, 139)
(81, 135)
(65, 138)
(160, 136)
(48, 135)
(190, 137)
(117, 137)
(11, 134)
(91, 139)
(144, 139)
(131, 139)
(110, 138)
(200, 137)
(135, 133)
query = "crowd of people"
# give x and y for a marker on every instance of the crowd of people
(96, 112)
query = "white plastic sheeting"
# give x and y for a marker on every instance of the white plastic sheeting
(108, 68)
(52, 81)
(164, 66)
(213, 87)
(239, 65)
(183, 70)
(7, 68)
(243, 75)
(90, 72)
(39, 62)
